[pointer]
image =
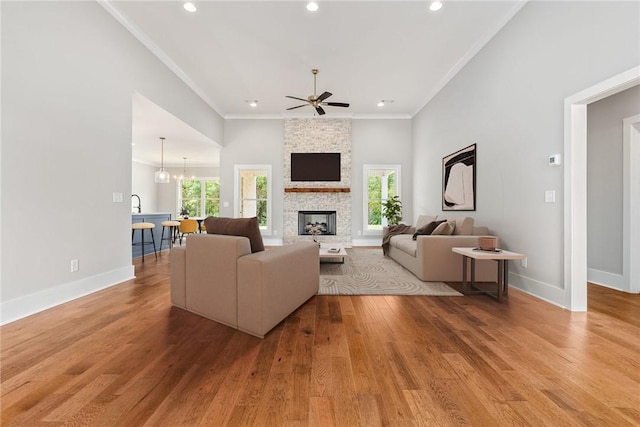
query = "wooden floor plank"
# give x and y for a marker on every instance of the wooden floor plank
(124, 356)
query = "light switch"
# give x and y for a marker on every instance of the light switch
(225, 204)
(117, 197)
(550, 196)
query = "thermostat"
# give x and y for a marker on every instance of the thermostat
(554, 160)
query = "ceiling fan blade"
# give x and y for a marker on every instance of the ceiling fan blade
(336, 104)
(297, 106)
(299, 99)
(324, 96)
(319, 110)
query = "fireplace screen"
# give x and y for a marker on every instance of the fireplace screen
(324, 222)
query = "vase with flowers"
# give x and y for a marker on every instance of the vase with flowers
(315, 229)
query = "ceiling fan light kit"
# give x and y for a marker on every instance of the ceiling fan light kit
(317, 101)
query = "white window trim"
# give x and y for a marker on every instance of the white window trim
(202, 194)
(236, 193)
(365, 194)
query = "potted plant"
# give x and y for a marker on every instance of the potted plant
(184, 213)
(392, 210)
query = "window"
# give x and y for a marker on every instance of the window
(253, 194)
(381, 182)
(199, 197)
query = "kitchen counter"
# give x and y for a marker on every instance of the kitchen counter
(151, 213)
(156, 218)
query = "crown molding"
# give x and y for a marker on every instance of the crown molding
(332, 116)
(143, 38)
(482, 41)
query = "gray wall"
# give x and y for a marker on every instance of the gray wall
(376, 141)
(509, 99)
(253, 142)
(604, 179)
(68, 74)
(143, 184)
(261, 142)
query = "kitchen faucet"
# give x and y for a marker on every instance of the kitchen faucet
(139, 207)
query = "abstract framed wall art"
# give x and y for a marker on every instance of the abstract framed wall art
(459, 180)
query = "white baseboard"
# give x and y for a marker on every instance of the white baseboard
(544, 291)
(272, 242)
(27, 305)
(354, 242)
(367, 242)
(609, 280)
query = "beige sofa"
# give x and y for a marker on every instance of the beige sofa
(218, 277)
(430, 258)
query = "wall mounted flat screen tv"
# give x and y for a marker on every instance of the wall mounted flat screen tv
(315, 166)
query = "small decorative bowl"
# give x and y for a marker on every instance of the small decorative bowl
(487, 243)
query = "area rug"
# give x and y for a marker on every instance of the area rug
(367, 272)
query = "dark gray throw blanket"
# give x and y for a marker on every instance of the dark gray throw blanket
(393, 230)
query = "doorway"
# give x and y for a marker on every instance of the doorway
(575, 183)
(631, 202)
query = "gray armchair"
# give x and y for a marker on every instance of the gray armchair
(218, 277)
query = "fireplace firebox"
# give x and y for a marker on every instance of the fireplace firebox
(324, 222)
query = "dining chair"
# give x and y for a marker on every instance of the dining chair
(187, 226)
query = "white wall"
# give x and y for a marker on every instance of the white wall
(509, 100)
(68, 73)
(604, 185)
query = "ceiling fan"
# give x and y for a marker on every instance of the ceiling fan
(317, 101)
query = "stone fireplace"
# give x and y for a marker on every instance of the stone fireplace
(318, 135)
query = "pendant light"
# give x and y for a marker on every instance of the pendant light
(184, 172)
(162, 176)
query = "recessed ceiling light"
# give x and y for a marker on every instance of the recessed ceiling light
(381, 103)
(435, 6)
(312, 6)
(189, 7)
(253, 104)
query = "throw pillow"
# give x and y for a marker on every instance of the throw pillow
(444, 229)
(247, 227)
(427, 229)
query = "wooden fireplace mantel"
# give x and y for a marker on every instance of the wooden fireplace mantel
(317, 190)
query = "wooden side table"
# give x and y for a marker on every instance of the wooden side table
(502, 257)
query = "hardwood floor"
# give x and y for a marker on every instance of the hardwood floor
(125, 357)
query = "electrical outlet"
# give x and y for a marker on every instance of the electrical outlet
(74, 265)
(523, 262)
(550, 196)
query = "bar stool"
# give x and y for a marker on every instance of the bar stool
(172, 233)
(144, 226)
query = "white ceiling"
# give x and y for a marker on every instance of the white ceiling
(150, 122)
(232, 52)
